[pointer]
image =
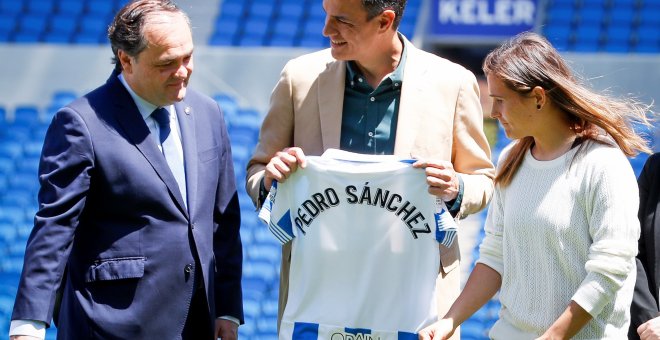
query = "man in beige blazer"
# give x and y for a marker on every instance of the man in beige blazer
(439, 119)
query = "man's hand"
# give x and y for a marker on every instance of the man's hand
(441, 178)
(440, 330)
(283, 164)
(650, 330)
(225, 329)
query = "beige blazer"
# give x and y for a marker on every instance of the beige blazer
(440, 117)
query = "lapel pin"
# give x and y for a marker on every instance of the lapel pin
(187, 110)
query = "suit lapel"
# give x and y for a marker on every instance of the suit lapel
(331, 103)
(137, 132)
(411, 107)
(186, 117)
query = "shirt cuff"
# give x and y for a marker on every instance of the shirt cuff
(32, 328)
(454, 205)
(230, 318)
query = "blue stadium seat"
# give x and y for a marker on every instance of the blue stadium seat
(218, 39)
(560, 15)
(227, 29)
(618, 33)
(265, 270)
(268, 252)
(33, 23)
(255, 28)
(12, 6)
(587, 37)
(8, 23)
(648, 39)
(71, 7)
(407, 28)
(251, 308)
(27, 115)
(285, 28)
(254, 287)
(26, 37)
(267, 326)
(262, 10)
(649, 17)
(245, 136)
(63, 97)
(16, 133)
(313, 28)
(7, 232)
(11, 264)
(102, 8)
(233, 9)
(11, 149)
(57, 37)
(227, 103)
(24, 181)
(291, 11)
(63, 24)
(622, 14)
(617, 47)
(269, 307)
(315, 10)
(3, 115)
(591, 15)
(7, 166)
(92, 30)
(40, 6)
(11, 214)
(23, 198)
(251, 41)
(281, 41)
(246, 331)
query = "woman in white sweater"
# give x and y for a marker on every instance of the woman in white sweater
(562, 228)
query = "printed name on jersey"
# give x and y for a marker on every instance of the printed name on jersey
(392, 202)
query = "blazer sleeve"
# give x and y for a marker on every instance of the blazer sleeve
(645, 304)
(227, 246)
(64, 174)
(471, 152)
(276, 133)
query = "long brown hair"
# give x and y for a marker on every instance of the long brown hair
(529, 60)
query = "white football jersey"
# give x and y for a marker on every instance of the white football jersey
(365, 254)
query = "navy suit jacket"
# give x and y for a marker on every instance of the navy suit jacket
(645, 301)
(112, 227)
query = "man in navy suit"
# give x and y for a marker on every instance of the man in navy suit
(138, 220)
(644, 312)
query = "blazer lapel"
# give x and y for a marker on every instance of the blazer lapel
(411, 107)
(129, 118)
(186, 117)
(331, 103)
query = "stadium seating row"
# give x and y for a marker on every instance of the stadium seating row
(282, 23)
(19, 153)
(610, 26)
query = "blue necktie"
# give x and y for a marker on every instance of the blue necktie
(172, 156)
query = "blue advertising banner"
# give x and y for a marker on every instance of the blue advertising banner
(482, 19)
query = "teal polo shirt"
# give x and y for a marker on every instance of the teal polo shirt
(369, 118)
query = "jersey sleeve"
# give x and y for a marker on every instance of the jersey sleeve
(445, 226)
(276, 213)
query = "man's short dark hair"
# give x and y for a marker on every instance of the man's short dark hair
(376, 7)
(125, 32)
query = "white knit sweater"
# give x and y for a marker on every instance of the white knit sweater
(564, 230)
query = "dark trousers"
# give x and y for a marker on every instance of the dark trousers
(199, 325)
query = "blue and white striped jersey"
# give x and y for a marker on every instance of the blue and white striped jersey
(365, 254)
